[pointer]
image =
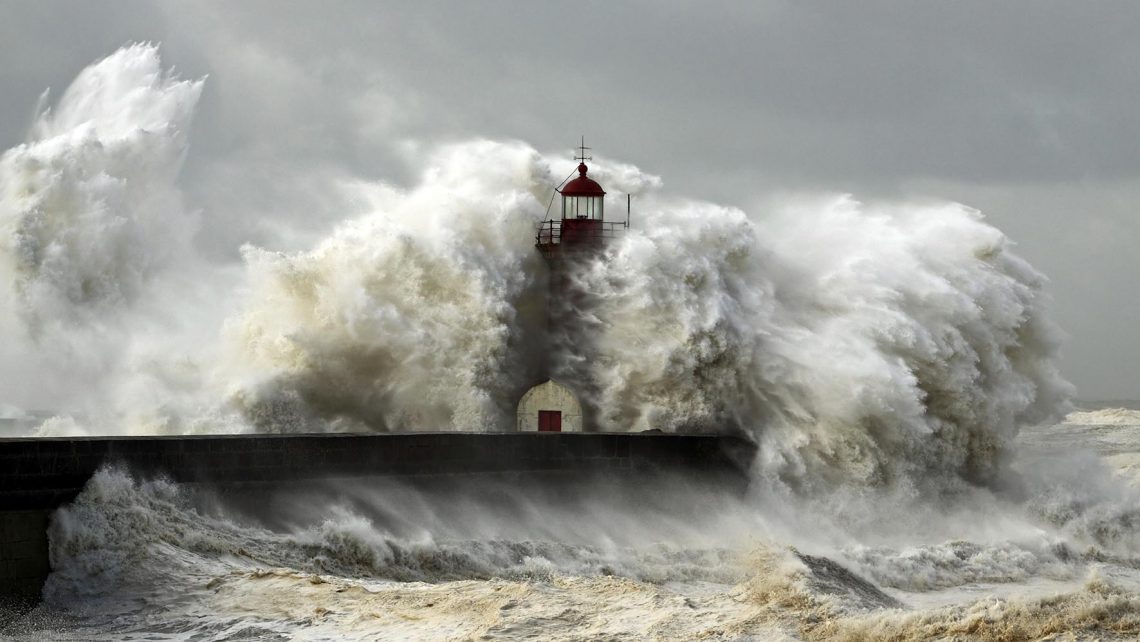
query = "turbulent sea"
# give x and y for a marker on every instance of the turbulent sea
(367, 560)
(921, 471)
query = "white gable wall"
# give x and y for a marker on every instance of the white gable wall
(549, 396)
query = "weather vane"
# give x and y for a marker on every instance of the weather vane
(582, 148)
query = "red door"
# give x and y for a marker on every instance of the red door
(549, 421)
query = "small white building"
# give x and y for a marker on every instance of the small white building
(549, 407)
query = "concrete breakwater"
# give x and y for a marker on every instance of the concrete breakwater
(38, 475)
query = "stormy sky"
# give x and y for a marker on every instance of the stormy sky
(1024, 110)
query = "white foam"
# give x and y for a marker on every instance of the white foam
(92, 225)
(89, 207)
(1104, 417)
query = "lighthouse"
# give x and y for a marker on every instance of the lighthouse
(568, 242)
(582, 226)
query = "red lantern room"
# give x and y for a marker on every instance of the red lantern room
(582, 197)
(583, 225)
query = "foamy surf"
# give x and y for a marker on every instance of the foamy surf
(1104, 417)
(388, 561)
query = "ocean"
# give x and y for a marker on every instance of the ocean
(1054, 557)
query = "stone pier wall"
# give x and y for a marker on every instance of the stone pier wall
(23, 555)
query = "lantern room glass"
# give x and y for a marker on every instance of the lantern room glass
(582, 207)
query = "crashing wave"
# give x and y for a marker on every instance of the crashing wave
(90, 208)
(1104, 417)
(859, 345)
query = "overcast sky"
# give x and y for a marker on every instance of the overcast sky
(1025, 110)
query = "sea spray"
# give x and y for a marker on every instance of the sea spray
(90, 208)
(95, 244)
(861, 345)
(412, 318)
(858, 343)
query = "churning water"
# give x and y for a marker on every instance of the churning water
(895, 363)
(375, 559)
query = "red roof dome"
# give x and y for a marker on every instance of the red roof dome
(583, 185)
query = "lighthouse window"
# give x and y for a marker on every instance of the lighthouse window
(593, 207)
(582, 207)
(575, 207)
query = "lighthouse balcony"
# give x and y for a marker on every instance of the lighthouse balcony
(571, 234)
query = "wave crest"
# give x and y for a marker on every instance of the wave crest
(90, 209)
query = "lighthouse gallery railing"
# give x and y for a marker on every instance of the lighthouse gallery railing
(550, 232)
